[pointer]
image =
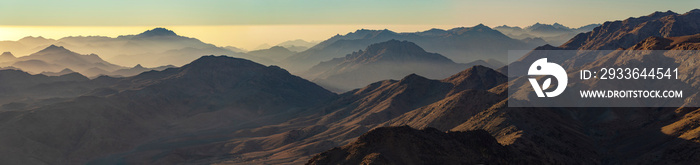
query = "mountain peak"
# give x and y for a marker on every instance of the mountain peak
(477, 77)
(138, 66)
(411, 78)
(159, 31)
(32, 38)
(8, 54)
(66, 71)
(394, 49)
(221, 63)
(693, 11)
(278, 48)
(52, 46)
(662, 14)
(55, 49)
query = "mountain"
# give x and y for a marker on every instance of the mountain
(22, 90)
(62, 72)
(138, 69)
(297, 45)
(462, 45)
(475, 99)
(392, 59)
(405, 145)
(615, 35)
(235, 49)
(151, 48)
(505, 29)
(634, 135)
(629, 135)
(587, 28)
(275, 53)
(555, 29)
(335, 122)
(263, 46)
(298, 42)
(160, 46)
(623, 34)
(230, 92)
(56, 58)
(157, 32)
(26, 45)
(554, 34)
(7, 56)
(677, 52)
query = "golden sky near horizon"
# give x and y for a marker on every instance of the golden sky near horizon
(242, 36)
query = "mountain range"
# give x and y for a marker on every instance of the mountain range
(554, 34)
(152, 48)
(297, 45)
(57, 60)
(160, 47)
(462, 45)
(226, 110)
(534, 135)
(392, 59)
(152, 105)
(275, 53)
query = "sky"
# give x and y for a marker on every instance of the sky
(249, 23)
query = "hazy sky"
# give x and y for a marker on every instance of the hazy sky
(137, 15)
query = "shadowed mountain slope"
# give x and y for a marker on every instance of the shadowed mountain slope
(211, 92)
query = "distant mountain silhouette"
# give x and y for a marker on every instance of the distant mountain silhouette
(236, 49)
(56, 58)
(155, 47)
(275, 53)
(7, 56)
(62, 72)
(157, 32)
(297, 45)
(138, 69)
(555, 34)
(462, 45)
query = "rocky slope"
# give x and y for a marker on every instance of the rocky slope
(333, 123)
(405, 145)
(614, 35)
(211, 92)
